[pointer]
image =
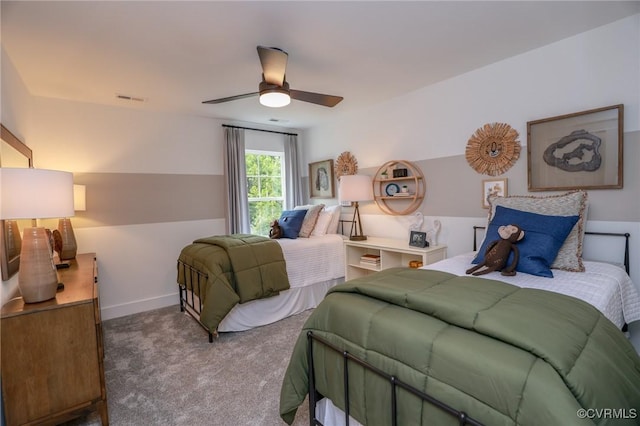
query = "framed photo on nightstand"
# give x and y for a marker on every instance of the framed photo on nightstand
(418, 239)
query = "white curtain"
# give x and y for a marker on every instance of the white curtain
(236, 180)
(293, 182)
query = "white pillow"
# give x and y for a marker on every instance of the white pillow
(335, 218)
(324, 218)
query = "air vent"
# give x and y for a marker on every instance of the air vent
(130, 98)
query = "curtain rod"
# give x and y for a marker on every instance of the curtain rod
(259, 130)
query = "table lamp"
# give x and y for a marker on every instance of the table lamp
(356, 188)
(69, 245)
(36, 194)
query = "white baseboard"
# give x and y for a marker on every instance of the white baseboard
(116, 311)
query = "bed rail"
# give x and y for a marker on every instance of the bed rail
(626, 236)
(394, 382)
(189, 291)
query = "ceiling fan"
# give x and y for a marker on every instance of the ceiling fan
(274, 90)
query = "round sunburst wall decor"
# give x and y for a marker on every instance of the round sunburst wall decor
(346, 164)
(493, 149)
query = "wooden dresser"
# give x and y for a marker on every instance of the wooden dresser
(52, 352)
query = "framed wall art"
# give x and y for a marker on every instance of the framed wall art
(321, 179)
(493, 187)
(582, 150)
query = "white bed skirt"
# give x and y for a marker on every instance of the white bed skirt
(330, 415)
(266, 311)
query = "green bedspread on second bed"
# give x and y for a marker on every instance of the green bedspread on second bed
(504, 355)
(239, 268)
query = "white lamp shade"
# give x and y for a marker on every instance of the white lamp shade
(79, 198)
(355, 188)
(35, 193)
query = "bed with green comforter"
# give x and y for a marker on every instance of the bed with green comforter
(225, 270)
(504, 355)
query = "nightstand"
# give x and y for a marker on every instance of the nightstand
(376, 254)
(52, 352)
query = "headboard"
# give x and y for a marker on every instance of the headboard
(626, 236)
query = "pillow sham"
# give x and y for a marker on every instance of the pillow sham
(291, 221)
(572, 203)
(543, 237)
(324, 218)
(335, 211)
(310, 218)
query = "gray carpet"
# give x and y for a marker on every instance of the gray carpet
(161, 370)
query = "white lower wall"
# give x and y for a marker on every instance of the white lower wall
(137, 263)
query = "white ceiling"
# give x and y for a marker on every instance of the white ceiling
(176, 54)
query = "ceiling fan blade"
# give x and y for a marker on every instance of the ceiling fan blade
(274, 64)
(315, 98)
(231, 98)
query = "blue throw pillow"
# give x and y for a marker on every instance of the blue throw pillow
(291, 221)
(543, 237)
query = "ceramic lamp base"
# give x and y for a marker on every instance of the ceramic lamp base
(37, 279)
(69, 245)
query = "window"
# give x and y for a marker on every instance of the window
(265, 188)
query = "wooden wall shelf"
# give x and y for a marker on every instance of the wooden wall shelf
(385, 187)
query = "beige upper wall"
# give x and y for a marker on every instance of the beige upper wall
(455, 189)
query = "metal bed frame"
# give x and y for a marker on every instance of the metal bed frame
(395, 382)
(626, 236)
(192, 279)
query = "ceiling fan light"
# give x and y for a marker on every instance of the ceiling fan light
(275, 98)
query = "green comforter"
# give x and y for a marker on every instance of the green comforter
(504, 355)
(239, 268)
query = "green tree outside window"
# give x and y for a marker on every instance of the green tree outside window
(265, 188)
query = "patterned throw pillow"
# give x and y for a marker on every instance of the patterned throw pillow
(310, 218)
(572, 203)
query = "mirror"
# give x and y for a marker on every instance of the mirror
(13, 153)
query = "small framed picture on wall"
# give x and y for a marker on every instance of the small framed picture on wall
(492, 188)
(321, 179)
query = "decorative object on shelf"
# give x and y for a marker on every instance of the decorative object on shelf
(356, 188)
(432, 234)
(346, 164)
(418, 239)
(69, 245)
(415, 264)
(493, 188)
(404, 189)
(391, 189)
(321, 179)
(387, 191)
(398, 173)
(582, 150)
(417, 225)
(40, 194)
(493, 149)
